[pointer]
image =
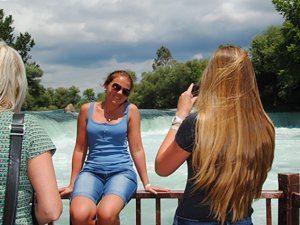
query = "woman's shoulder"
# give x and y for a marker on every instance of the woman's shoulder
(192, 116)
(85, 107)
(133, 111)
(190, 119)
(31, 123)
(133, 108)
(28, 118)
(5, 116)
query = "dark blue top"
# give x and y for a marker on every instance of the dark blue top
(191, 205)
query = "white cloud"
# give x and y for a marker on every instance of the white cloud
(197, 56)
(78, 40)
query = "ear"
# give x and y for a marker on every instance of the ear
(105, 88)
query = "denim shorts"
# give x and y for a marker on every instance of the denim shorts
(185, 221)
(96, 185)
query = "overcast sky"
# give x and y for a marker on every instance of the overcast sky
(80, 42)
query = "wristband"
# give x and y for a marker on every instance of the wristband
(174, 127)
(147, 185)
(176, 120)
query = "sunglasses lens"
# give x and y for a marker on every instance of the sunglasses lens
(118, 87)
(126, 92)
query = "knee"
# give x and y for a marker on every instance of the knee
(81, 215)
(105, 216)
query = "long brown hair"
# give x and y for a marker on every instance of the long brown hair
(118, 73)
(234, 147)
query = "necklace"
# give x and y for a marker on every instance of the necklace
(109, 116)
(113, 115)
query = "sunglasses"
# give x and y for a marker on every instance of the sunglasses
(118, 87)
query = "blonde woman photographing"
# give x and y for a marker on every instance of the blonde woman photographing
(228, 143)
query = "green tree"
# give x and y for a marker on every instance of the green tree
(73, 95)
(34, 74)
(290, 9)
(48, 99)
(64, 96)
(289, 73)
(162, 87)
(89, 94)
(22, 43)
(196, 66)
(265, 54)
(163, 58)
(100, 96)
(276, 58)
(6, 30)
(60, 97)
(35, 88)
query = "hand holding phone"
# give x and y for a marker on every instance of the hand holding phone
(195, 90)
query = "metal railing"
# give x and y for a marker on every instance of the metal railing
(288, 197)
(288, 201)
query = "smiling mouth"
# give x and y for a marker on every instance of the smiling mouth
(116, 97)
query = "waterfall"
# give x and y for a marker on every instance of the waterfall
(62, 128)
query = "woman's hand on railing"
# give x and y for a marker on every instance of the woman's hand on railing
(154, 189)
(65, 192)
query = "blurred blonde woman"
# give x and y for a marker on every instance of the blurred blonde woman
(228, 143)
(36, 168)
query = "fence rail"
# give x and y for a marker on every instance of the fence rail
(287, 194)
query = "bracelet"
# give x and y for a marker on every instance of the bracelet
(147, 185)
(174, 127)
(176, 120)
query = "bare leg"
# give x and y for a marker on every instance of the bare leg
(109, 209)
(82, 211)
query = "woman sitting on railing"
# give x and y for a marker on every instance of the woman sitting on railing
(103, 177)
(228, 143)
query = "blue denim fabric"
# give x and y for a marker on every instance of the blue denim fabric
(185, 221)
(94, 186)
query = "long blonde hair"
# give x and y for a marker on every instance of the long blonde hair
(234, 147)
(13, 82)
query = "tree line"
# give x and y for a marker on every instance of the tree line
(275, 55)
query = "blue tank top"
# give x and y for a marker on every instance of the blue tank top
(107, 144)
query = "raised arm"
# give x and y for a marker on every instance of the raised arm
(170, 156)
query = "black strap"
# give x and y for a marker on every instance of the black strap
(34, 219)
(12, 183)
